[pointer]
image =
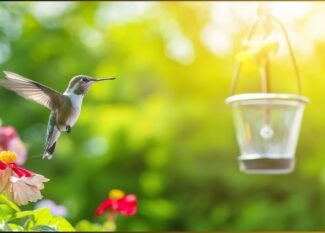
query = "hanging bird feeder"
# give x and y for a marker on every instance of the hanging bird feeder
(267, 124)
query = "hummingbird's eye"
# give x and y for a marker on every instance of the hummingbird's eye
(85, 80)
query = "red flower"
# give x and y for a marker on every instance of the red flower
(20, 185)
(118, 202)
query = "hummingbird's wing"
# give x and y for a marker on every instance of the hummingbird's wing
(32, 90)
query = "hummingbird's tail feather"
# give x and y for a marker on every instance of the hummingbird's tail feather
(50, 145)
(49, 151)
(53, 134)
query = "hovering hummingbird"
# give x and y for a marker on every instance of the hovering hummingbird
(65, 108)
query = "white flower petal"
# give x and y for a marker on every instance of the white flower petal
(36, 179)
(26, 189)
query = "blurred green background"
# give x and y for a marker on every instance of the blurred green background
(161, 130)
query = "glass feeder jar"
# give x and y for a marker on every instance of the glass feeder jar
(267, 130)
(267, 124)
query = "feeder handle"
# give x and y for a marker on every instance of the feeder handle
(244, 45)
(248, 37)
(291, 52)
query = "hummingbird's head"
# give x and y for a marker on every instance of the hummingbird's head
(80, 84)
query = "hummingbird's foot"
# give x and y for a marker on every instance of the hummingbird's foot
(68, 128)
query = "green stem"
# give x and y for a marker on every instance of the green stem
(110, 224)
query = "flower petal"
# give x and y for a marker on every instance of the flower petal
(17, 146)
(127, 205)
(4, 179)
(104, 206)
(26, 189)
(7, 132)
(36, 180)
(21, 171)
(3, 165)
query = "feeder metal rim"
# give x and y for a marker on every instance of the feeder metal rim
(266, 96)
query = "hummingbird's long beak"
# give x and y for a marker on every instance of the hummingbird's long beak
(102, 79)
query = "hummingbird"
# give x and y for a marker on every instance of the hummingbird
(65, 108)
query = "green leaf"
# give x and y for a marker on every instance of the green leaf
(4, 200)
(15, 227)
(38, 217)
(23, 214)
(61, 223)
(85, 225)
(6, 212)
(109, 226)
(43, 217)
(7, 208)
(44, 228)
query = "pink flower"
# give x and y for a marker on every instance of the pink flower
(10, 140)
(118, 202)
(21, 185)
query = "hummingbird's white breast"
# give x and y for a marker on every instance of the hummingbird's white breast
(76, 101)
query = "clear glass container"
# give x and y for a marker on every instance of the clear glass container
(267, 129)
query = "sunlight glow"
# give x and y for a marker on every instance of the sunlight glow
(177, 46)
(47, 12)
(96, 146)
(290, 10)
(113, 12)
(229, 18)
(219, 42)
(91, 37)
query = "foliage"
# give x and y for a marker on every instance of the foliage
(161, 130)
(13, 219)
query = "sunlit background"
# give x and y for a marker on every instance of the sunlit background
(161, 130)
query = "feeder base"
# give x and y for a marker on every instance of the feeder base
(266, 165)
